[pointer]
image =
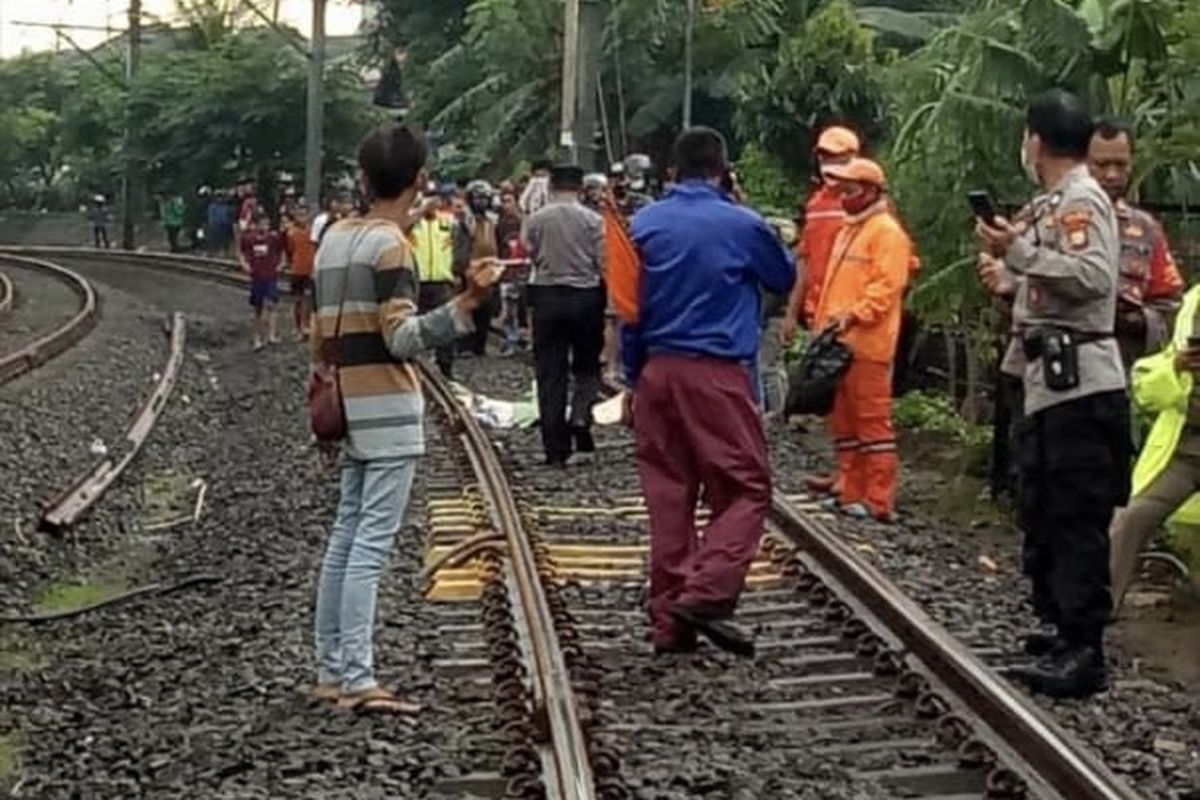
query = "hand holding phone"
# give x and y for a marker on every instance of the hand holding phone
(982, 205)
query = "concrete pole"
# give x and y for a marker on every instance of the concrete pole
(570, 82)
(591, 35)
(688, 58)
(130, 188)
(315, 119)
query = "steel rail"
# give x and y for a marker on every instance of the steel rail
(1013, 723)
(223, 270)
(572, 774)
(6, 293)
(33, 355)
(66, 509)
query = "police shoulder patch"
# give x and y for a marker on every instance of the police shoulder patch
(1076, 224)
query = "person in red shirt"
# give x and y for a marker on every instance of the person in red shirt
(260, 252)
(301, 256)
(823, 220)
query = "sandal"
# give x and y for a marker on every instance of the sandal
(378, 701)
(326, 692)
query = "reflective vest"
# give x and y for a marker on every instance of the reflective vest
(433, 248)
(1159, 388)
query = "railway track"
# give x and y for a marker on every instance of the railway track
(29, 355)
(855, 688)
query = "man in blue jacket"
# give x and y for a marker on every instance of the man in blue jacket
(690, 359)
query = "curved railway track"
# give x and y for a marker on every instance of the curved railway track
(851, 672)
(29, 356)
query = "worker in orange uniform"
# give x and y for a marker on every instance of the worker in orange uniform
(862, 296)
(823, 219)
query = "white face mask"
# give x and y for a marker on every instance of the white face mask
(1027, 163)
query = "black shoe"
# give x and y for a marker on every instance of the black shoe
(1039, 643)
(1073, 672)
(721, 633)
(557, 461)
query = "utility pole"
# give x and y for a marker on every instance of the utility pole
(316, 107)
(130, 187)
(590, 49)
(570, 81)
(688, 58)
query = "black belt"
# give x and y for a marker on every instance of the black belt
(1032, 342)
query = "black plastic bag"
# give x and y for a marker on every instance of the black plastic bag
(814, 379)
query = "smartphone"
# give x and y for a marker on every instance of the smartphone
(982, 205)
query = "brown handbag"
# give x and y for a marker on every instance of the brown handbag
(326, 409)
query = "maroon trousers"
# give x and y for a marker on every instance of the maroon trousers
(697, 425)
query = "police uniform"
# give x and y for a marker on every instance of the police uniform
(1150, 283)
(1072, 443)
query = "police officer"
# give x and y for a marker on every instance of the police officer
(1073, 444)
(566, 247)
(1151, 287)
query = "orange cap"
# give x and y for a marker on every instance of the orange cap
(838, 141)
(860, 170)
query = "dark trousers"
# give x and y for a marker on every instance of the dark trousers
(476, 341)
(173, 238)
(1073, 463)
(100, 236)
(697, 426)
(429, 297)
(1010, 397)
(568, 335)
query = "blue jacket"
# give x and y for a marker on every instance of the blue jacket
(703, 260)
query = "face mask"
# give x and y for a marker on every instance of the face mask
(856, 204)
(1027, 164)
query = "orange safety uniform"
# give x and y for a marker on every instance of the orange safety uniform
(869, 270)
(823, 220)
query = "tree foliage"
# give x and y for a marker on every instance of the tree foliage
(212, 102)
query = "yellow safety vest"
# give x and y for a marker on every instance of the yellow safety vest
(433, 248)
(1159, 388)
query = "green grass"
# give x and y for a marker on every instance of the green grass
(18, 655)
(67, 596)
(166, 495)
(11, 747)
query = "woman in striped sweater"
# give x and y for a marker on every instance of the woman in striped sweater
(366, 279)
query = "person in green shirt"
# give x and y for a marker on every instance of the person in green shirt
(172, 220)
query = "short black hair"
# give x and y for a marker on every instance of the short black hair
(1063, 123)
(391, 158)
(701, 153)
(566, 178)
(1109, 128)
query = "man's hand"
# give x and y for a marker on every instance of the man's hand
(481, 276)
(841, 322)
(995, 277)
(997, 238)
(245, 267)
(1188, 360)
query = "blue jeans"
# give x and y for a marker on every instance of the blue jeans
(374, 495)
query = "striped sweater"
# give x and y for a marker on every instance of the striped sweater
(381, 333)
